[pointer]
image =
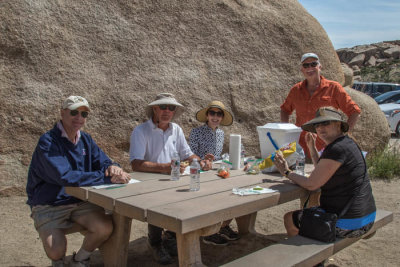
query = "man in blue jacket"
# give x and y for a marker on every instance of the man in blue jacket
(67, 156)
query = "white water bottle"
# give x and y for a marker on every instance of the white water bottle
(194, 175)
(175, 166)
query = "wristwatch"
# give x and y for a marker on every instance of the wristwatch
(287, 172)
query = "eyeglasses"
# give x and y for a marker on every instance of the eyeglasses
(324, 123)
(218, 113)
(169, 107)
(75, 112)
(311, 64)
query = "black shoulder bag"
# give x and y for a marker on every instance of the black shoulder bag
(317, 224)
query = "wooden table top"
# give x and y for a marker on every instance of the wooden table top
(170, 204)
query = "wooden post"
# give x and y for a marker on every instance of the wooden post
(246, 223)
(115, 249)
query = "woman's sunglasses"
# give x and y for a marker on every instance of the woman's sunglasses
(324, 123)
(311, 64)
(218, 113)
(169, 107)
(75, 112)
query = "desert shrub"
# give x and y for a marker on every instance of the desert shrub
(384, 163)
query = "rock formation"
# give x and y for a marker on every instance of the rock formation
(372, 55)
(120, 54)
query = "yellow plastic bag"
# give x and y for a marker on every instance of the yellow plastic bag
(286, 150)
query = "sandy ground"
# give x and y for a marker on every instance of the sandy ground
(20, 245)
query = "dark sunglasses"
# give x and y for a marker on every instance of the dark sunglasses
(75, 112)
(324, 123)
(311, 64)
(170, 107)
(218, 113)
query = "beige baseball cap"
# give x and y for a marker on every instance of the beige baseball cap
(73, 102)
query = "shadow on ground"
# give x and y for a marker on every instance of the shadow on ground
(139, 255)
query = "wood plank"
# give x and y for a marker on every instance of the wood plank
(192, 214)
(78, 192)
(136, 206)
(303, 251)
(106, 197)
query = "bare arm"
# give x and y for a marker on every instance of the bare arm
(148, 166)
(353, 118)
(323, 171)
(284, 116)
(310, 140)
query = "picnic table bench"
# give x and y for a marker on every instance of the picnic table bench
(302, 251)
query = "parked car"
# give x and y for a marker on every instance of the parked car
(374, 89)
(388, 97)
(392, 114)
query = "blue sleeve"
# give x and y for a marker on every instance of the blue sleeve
(53, 165)
(100, 161)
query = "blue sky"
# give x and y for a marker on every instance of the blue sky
(356, 22)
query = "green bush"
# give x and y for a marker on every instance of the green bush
(384, 164)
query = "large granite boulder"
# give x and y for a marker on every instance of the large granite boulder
(120, 54)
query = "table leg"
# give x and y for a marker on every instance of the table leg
(189, 253)
(246, 223)
(115, 249)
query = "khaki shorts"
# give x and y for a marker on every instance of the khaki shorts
(55, 217)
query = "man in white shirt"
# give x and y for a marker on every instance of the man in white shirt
(152, 145)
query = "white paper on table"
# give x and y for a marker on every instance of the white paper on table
(257, 190)
(131, 181)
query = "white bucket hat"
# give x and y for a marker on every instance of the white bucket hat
(165, 99)
(73, 102)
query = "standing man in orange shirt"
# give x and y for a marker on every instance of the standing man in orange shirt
(315, 91)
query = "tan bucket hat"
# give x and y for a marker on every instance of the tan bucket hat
(165, 99)
(201, 115)
(325, 114)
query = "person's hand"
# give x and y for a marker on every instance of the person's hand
(209, 157)
(113, 170)
(123, 178)
(310, 140)
(281, 163)
(205, 165)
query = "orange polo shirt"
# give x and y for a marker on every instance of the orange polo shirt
(329, 93)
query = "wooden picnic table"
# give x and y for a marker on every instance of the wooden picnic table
(170, 205)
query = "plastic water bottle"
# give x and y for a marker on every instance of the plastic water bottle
(175, 166)
(300, 164)
(194, 175)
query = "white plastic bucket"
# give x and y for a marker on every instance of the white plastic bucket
(281, 133)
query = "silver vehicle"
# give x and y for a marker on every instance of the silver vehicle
(392, 114)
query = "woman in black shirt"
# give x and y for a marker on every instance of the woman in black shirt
(340, 172)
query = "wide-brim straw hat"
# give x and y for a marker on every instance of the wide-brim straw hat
(165, 99)
(227, 120)
(325, 114)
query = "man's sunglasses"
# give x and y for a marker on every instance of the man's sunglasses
(75, 112)
(170, 107)
(311, 64)
(218, 113)
(324, 123)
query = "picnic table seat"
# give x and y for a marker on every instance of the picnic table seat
(302, 251)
